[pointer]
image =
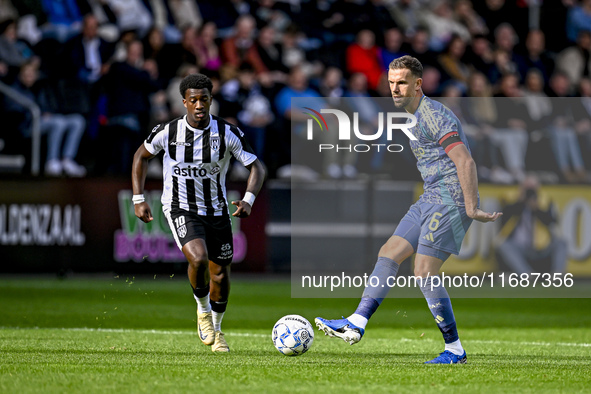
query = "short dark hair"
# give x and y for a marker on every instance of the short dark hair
(408, 62)
(195, 81)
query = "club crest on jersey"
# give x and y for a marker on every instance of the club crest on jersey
(182, 231)
(215, 143)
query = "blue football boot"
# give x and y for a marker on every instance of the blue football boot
(448, 357)
(341, 328)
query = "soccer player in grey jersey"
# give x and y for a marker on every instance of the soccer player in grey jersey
(436, 224)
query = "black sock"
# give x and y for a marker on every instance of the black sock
(201, 292)
(218, 306)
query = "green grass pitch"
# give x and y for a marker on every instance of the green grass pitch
(138, 335)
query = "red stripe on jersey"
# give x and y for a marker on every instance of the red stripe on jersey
(450, 134)
(451, 146)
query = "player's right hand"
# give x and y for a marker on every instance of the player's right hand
(484, 217)
(143, 212)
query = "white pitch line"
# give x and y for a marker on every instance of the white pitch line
(489, 342)
(128, 331)
(246, 334)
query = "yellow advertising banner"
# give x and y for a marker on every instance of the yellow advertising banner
(572, 205)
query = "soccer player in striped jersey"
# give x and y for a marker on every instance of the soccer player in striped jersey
(436, 224)
(197, 150)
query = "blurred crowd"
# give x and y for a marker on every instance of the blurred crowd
(105, 72)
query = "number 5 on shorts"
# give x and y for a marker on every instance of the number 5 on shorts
(434, 223)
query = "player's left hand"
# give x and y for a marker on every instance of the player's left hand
(243, 209)
(484, 217)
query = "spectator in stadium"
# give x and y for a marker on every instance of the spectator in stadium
(379, 18)
(367, 109)
(240, 47)
(66, 128)
(575, 61)
(244, 101)
(13, 53)
(121, 44)
(184, 13)
(464, 13)
(132, 15)
(559, 85)
(343, 20)
(106, 18)
(477, 131)
(451, 63)
(578, 19)
(331, 85)
(535, 56)
(297, 87)
(170, 56)
(479, 55)
(419, 47)
(89, 57)
(503, 65)
(129, 86)
(224, 14)
(88, 53)
(506, 39)
(294, 54)
(439, 19)
(530, 232)
(270, 52)
(538, 103)
(406, 14)
(208, 53)
(451, 97)
(154, 47)
(270, 13)
(582, 113)
(510, 135)
(431, 81)
(63, 19)
(481, 113)
(363, 56)
(496, 12)
(561, 125)
(7, 10)
(393, 40)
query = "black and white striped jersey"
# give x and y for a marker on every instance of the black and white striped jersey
(196, 162)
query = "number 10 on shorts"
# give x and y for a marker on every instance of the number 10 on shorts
(181, 229)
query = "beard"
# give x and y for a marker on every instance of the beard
(402, 101)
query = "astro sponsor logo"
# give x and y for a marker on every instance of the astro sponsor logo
(386, 122)
(194, 171)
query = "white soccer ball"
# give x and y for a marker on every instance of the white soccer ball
(293, 335)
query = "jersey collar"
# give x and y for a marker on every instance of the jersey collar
(420, 103)
(195, 129)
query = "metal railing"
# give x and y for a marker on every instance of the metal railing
(35, 124)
